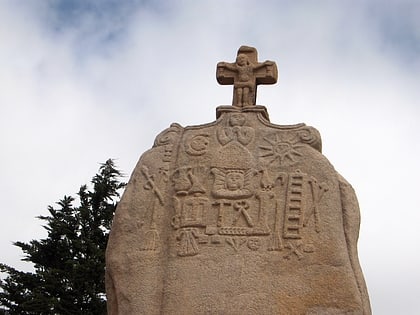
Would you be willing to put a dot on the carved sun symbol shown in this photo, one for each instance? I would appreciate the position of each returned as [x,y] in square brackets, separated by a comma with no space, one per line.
[280,150]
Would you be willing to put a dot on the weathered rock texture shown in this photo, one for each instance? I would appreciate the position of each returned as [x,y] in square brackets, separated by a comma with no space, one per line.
[239,216]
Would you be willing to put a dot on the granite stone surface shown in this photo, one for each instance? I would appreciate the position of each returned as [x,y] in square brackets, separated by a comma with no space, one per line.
[237,216]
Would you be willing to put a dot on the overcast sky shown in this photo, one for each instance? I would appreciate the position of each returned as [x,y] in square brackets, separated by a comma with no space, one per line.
[82,81]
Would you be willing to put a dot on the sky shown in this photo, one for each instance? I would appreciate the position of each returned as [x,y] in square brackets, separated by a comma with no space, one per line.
[82,81]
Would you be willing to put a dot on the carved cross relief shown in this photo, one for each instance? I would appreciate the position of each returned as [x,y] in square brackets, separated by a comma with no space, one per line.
[245,74]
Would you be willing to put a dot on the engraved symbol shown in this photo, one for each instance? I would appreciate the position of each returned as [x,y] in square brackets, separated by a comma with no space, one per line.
[242,208]
[193,211]
[196,187]
[235,242]
[254,243]
[164,171]
[167,153]
[215,239]
[221,212]
[150,184]
[197,145]
[280,150]
[232,183]
[309,248]
[151,240]
[176,219]
[294,204]
[267,183]
[236,132]
[185,182]
[181,180]
[294,249]
[264,198]
[276,242]
[318,191]
[203,239]
[299,249]
[188,244]
[190,212]
[168,135]
[151,237]
[234,230]
[310,136]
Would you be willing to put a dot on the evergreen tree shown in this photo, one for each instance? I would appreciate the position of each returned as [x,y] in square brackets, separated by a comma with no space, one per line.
[69,264]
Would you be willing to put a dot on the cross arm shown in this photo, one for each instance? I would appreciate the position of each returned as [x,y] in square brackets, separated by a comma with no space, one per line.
[266,72]
[225,73]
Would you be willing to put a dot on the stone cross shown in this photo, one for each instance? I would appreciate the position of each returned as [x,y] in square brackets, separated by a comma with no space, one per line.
[245,74]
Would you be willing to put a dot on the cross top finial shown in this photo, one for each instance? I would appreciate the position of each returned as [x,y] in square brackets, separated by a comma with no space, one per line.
[245,74]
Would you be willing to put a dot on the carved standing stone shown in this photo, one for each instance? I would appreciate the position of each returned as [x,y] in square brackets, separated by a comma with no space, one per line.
[239,216]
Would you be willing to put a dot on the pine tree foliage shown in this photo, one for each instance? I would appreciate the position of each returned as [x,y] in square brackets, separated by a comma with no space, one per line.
[69,264]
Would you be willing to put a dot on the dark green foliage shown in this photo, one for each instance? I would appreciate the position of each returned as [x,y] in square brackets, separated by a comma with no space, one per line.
[70,263]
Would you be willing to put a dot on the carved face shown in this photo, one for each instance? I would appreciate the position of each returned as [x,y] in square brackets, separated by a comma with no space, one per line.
[242,60]
[237,120]
[234,181]
[254,243]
